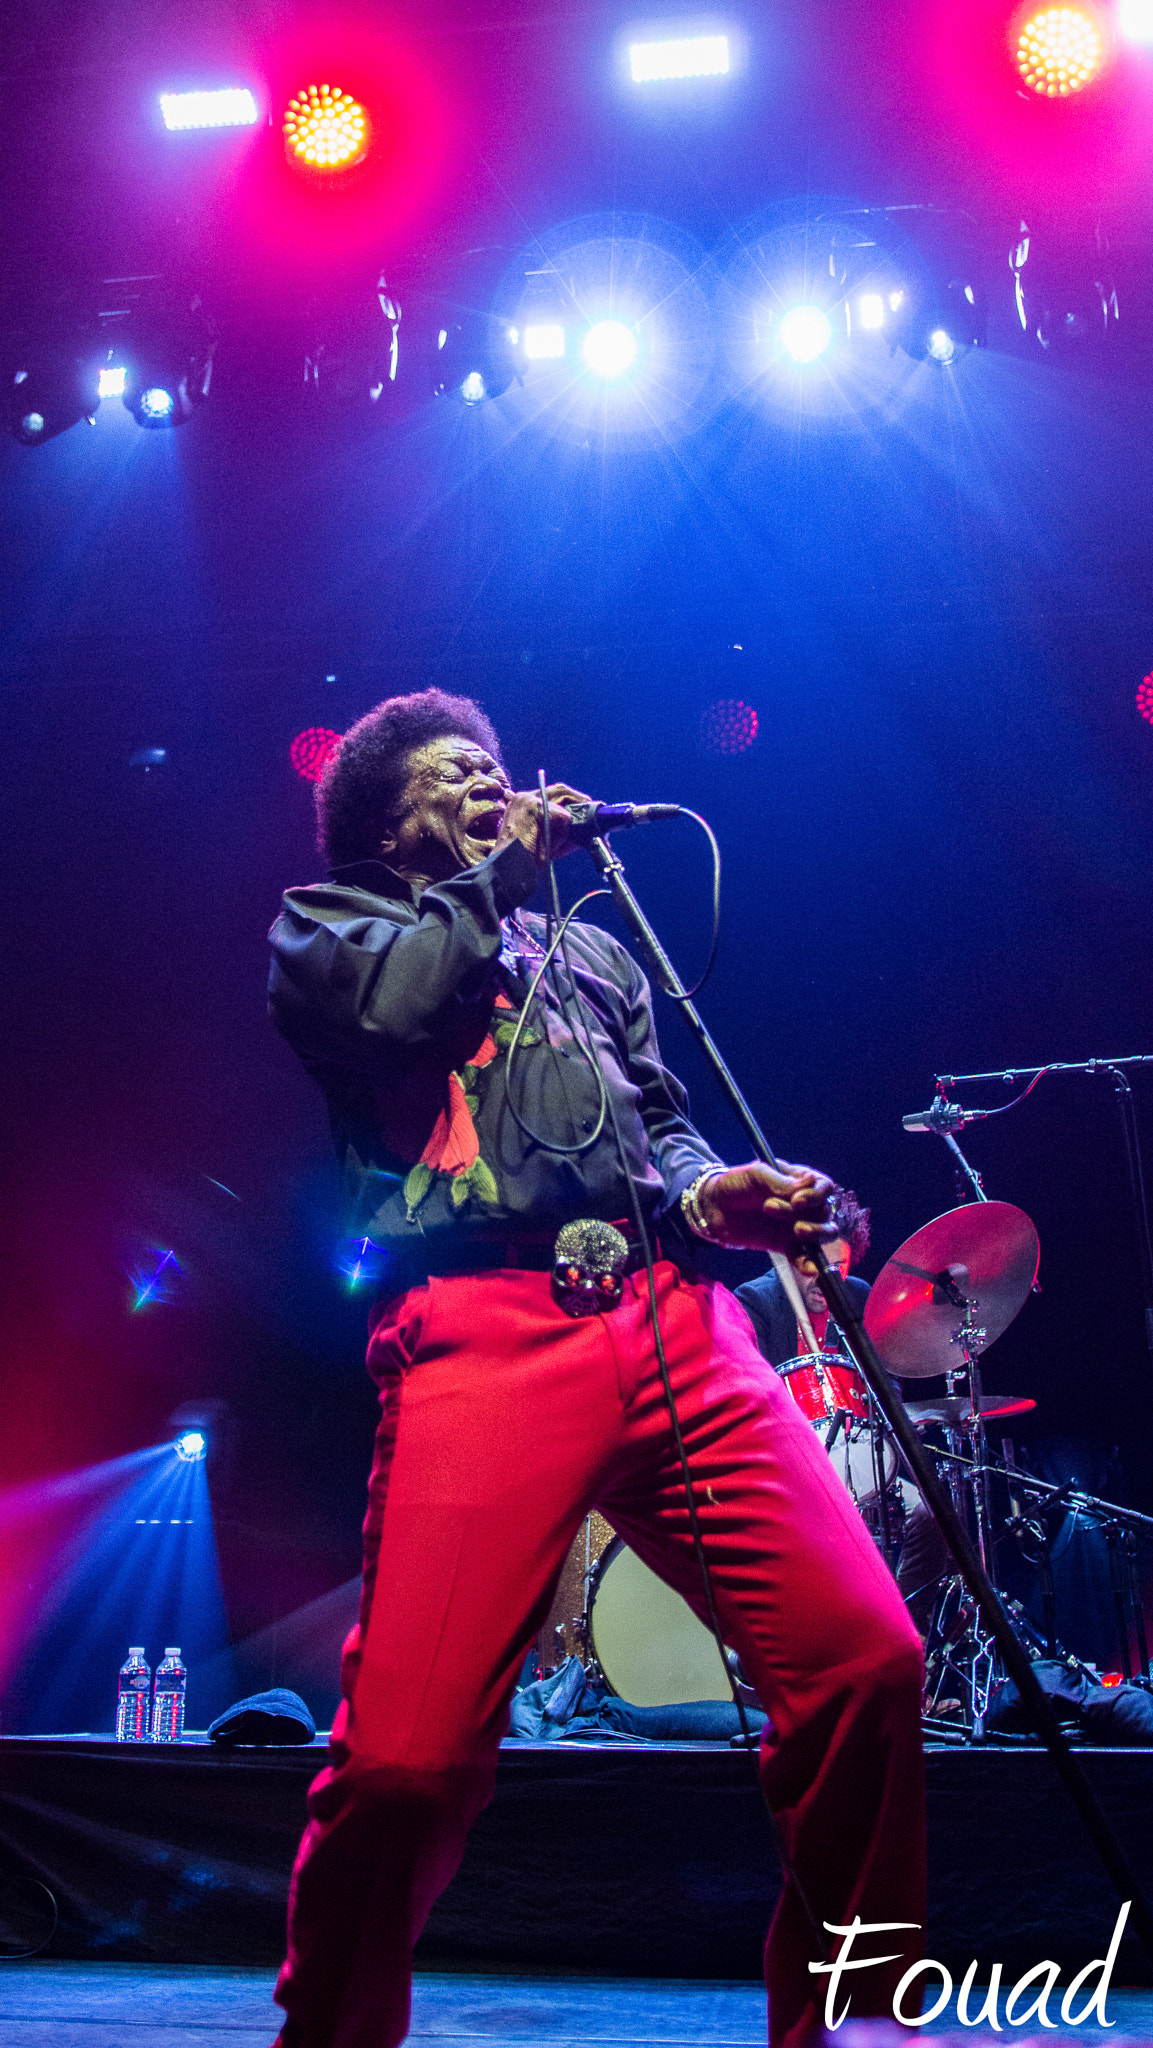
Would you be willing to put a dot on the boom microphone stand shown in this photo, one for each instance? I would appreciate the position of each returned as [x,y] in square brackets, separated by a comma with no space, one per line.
[945,1117]
[845,1312]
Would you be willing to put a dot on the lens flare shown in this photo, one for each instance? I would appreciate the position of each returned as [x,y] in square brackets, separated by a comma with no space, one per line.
[1059,51]
[805,333]
[325,129]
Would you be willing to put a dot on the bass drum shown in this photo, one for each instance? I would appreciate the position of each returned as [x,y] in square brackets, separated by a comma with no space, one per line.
[650,1646]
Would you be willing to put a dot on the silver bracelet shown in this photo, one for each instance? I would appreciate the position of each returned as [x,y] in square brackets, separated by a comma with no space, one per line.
[690,1204]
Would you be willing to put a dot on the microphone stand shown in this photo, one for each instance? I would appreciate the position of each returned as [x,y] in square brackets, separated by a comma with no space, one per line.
[844,1310]
[952,1118]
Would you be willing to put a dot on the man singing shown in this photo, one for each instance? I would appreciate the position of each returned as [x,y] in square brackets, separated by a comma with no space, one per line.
[464,1149]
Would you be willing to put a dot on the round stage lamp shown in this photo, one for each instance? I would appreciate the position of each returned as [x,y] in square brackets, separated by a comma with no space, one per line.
[312,750]
[325,130]
[1060,50]
[805,333]
[728,726]
[609,349]
[1145,698]
[192,1446]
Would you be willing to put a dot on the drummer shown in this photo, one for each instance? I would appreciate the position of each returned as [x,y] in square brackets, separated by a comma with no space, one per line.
[777,1321]
[779,1324]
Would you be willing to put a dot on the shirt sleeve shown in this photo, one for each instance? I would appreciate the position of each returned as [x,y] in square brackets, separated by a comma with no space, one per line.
[352,985]
[678,1150]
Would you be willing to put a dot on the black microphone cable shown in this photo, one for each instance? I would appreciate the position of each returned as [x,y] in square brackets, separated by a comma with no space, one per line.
[582,1030]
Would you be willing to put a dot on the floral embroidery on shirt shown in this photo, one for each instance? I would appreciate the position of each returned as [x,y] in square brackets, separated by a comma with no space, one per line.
[454,1147]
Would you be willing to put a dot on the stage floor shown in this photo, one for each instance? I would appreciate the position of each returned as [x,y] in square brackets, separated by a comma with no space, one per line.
[106,2005]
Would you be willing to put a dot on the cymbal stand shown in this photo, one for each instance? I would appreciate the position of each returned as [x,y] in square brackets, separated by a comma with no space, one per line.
[847,1312]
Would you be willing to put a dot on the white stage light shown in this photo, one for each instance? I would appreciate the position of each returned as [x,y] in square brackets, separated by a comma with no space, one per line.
[871,310]
[679,57]
[941,346]
[111,382]
[543,344]
[234,107]
[805,333]
[1135,21]
[192,1446]
[610,348]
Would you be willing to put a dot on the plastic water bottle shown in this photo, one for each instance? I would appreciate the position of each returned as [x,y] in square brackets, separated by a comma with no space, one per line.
[168,1698]
[134,1703]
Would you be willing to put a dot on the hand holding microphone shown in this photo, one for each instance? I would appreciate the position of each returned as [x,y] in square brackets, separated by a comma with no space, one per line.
[574,819]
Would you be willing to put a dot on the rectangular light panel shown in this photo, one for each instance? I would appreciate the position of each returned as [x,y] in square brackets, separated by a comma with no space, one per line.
[234,107]
[111,382]
[543,344]
[683,57]
[1135,20]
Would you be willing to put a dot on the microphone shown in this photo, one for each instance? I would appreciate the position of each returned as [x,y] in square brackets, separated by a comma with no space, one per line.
[941,1117]
[591,821]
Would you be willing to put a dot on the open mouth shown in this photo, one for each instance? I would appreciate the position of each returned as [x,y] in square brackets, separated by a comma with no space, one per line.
[485,824]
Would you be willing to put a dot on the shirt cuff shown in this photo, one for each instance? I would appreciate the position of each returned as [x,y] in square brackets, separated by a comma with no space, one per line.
[515,876]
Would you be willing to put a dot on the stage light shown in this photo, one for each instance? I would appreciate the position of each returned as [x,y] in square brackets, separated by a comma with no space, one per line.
[1135,21]
[1145,698]
[728,726]
[1065,292]
[233,107]
[50,392]
[312,750]
[192,1446]
[325,130]
[609,349]
[679,57]
[805,333]
[1060,50]
[111,383]
[165,380]
[476,358]
[940,345]
[871,310]
[544,344]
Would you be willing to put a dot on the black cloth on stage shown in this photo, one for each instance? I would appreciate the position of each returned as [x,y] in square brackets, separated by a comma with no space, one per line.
[771,1313]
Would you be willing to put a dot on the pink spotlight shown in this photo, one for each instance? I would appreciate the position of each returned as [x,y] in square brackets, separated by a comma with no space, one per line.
[728,726]
[1145,698]
[311,750]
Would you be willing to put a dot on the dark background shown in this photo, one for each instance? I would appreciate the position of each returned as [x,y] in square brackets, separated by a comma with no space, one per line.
[937,851]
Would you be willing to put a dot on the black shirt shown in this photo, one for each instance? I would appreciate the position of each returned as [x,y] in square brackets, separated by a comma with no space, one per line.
[403,1011]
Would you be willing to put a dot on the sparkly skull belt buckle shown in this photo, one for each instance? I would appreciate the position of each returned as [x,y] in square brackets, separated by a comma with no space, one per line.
[589,1261]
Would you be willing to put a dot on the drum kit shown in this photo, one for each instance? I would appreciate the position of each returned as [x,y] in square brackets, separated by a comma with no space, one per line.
[935,1308]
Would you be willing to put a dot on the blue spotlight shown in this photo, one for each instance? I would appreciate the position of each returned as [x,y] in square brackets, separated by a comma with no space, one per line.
[610,349]
[156,404]
[192,1446]
[805,333]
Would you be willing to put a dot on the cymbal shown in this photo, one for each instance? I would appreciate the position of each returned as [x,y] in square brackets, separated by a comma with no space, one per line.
[986,1251]
[957,1409]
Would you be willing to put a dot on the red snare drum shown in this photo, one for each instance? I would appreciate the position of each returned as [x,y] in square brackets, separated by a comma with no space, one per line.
[825,1385]
[822,1384]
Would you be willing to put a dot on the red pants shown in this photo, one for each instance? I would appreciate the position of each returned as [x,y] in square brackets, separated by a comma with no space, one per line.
[503,1422]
